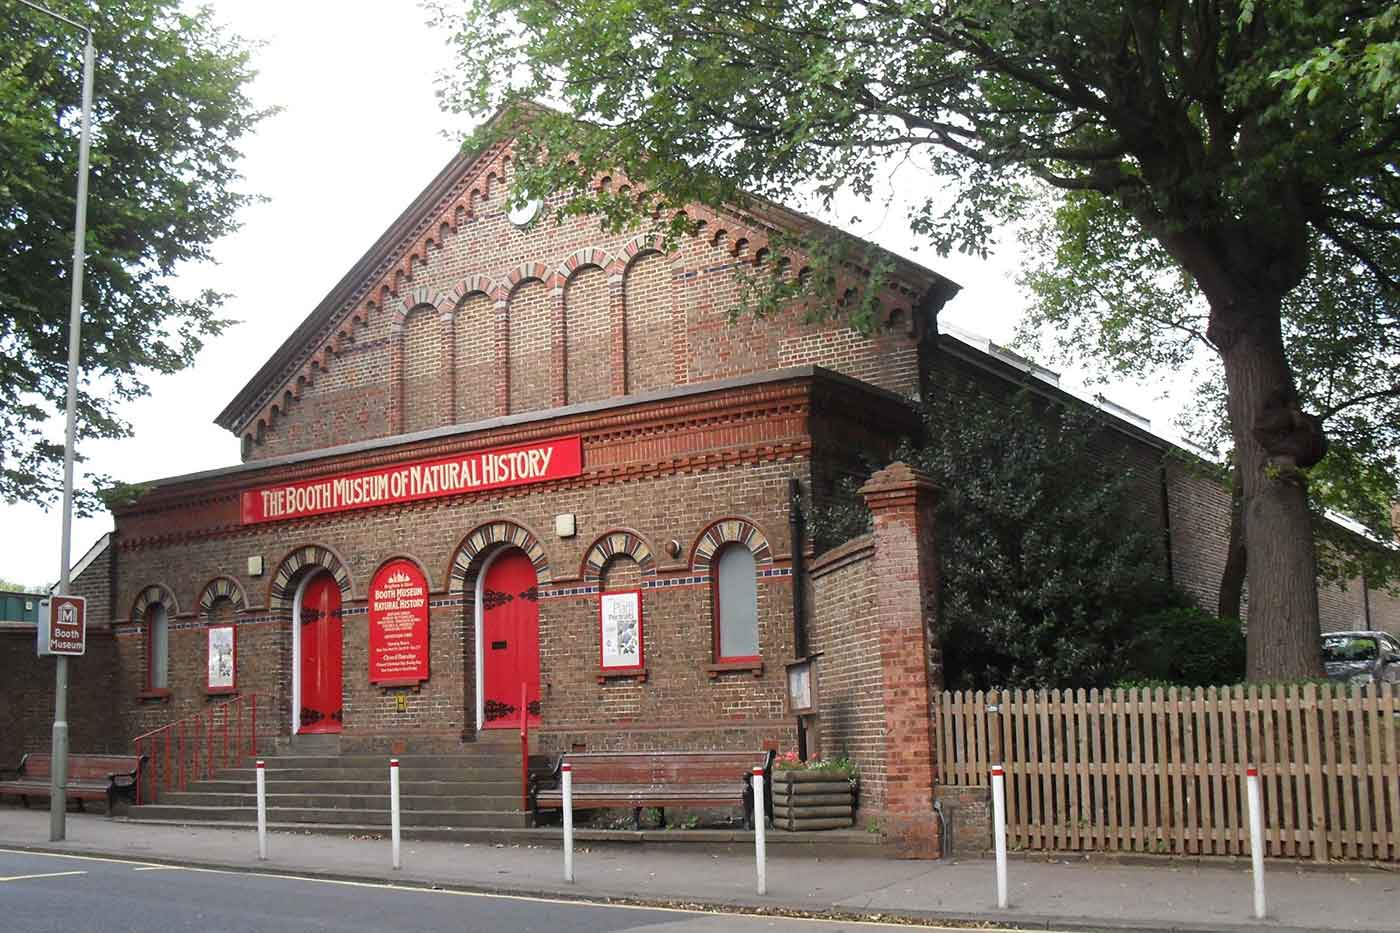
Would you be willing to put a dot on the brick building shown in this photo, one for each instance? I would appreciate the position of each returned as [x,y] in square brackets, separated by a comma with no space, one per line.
[510,462]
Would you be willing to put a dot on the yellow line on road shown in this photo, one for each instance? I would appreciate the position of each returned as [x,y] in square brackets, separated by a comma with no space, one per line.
[51,874]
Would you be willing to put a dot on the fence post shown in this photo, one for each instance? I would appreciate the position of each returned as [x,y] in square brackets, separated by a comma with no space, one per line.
[760,820]
[568,772]
[1256,838]
[999,830]
[394,807]
[262,810]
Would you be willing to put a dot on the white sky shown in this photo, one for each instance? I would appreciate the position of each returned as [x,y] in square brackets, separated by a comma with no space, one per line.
[359,136]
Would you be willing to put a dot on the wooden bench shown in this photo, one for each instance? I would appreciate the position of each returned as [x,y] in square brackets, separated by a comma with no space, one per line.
[90,777]
[658,779]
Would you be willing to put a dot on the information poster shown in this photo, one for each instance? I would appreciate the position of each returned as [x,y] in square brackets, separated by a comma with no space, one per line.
[398,624]
[222,659]
[620,621]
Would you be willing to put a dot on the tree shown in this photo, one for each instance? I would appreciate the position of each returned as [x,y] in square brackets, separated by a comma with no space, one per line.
[1164,115]
[1047,562]
[169,110]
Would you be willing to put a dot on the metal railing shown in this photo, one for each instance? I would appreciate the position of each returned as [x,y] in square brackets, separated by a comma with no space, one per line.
[197,746]
[524,748]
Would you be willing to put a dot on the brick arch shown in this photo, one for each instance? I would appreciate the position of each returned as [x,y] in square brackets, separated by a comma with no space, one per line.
[621,542]
[281,591]
[420,297]
[640,245]
[466,560]
[477,283]
[524,273]
[220,588]
[582,259]
[156,593]
[727,530]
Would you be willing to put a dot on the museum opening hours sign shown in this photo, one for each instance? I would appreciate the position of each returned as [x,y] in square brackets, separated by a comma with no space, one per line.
[398,625]
[497,468]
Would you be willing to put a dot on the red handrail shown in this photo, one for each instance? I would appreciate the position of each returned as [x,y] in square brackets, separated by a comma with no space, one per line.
[524,749]
[174,757]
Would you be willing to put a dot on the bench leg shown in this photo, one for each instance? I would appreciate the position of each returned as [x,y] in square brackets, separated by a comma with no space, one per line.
[636,817]
[662,822]
[748,804]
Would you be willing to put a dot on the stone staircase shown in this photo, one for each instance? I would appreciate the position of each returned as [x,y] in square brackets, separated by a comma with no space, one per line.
[313,787]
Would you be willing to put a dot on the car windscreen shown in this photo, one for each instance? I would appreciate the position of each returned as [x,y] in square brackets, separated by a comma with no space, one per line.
[1348,648]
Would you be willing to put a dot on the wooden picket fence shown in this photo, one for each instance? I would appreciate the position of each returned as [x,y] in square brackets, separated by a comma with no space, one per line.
[1162,771]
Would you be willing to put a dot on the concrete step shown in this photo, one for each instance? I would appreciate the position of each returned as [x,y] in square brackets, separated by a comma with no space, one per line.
[408,801]
[381,762]
[307,815]
[475,773]
[380,786]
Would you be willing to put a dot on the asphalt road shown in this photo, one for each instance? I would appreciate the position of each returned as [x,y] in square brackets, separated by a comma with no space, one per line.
[71,894]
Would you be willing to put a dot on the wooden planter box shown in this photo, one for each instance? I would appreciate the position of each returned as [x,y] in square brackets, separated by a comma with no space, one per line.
[812,800]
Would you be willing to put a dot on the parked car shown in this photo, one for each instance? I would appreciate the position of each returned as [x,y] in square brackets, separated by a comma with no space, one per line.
[1361,657]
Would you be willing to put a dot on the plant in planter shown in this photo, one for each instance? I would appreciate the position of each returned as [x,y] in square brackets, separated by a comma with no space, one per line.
[814,794]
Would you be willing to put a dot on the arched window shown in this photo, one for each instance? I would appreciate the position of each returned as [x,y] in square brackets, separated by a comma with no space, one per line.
[736,605]
[157,647]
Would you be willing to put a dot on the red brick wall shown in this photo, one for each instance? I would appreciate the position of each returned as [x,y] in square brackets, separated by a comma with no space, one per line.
[474,327]
[529,359]
[844,629]
[424,389]
[646,300]
[672,326]
[26,724]
[588,328]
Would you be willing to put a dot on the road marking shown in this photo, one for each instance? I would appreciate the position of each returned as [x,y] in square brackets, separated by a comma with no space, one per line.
[51,874]
[537,899]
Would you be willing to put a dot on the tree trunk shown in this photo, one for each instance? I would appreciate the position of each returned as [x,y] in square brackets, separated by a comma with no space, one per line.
[1231,596]
[1273,441]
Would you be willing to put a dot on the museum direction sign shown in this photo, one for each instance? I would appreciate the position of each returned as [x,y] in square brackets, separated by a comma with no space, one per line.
[409,482]
[63,625]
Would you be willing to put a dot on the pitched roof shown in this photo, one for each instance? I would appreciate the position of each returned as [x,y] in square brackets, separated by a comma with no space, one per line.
[303,342]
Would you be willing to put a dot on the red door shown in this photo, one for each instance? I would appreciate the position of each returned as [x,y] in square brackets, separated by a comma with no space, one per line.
[320,655]
[510,634]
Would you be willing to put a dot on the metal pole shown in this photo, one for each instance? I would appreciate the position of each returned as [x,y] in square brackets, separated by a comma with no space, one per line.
[999,830]
[1256,838]
[568,771]
[394,807]
[760,820]
[57,798]
[262,810]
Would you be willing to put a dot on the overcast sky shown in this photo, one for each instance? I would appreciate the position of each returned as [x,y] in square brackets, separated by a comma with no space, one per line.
[359,136]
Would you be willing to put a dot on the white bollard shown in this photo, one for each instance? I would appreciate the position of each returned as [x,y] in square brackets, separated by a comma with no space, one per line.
[568,822]
[262,810]
[760,819]
[1256,838]
[394,807]
[999,830]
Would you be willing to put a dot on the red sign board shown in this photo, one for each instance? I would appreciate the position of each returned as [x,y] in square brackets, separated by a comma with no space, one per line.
[398,624]
[486,469]
[63,630]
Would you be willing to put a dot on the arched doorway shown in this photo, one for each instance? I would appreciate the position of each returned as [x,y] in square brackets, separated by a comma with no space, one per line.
[509,623]
[319,656]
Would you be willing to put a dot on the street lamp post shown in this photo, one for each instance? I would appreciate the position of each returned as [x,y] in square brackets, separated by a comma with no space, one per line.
[57,798]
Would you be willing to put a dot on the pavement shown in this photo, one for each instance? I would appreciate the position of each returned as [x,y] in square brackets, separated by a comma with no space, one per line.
[1044,893]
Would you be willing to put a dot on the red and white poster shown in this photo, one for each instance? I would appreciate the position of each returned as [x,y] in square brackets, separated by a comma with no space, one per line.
[497,468]
[398,624]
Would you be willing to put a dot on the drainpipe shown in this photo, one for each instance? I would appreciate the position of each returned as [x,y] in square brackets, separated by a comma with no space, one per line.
[799,609]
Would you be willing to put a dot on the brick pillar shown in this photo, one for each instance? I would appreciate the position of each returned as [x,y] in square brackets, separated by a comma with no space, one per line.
[502,356]
[558,345]
[905,566]
[396,338]
[617,321]
[447,365]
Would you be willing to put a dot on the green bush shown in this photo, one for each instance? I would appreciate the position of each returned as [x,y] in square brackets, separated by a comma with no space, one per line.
[1184,647]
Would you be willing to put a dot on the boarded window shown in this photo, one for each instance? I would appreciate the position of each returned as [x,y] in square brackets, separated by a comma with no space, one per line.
[157,648]
[736,602]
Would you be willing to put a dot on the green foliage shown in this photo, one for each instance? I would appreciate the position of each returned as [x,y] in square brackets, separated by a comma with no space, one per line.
[170,110]
[10,586]
[1183,646]
[1177,161]
[1045,553]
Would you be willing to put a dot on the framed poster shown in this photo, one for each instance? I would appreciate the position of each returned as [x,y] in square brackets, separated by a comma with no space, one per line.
[802,687]
[223,659]
[620,632]
[398,625]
